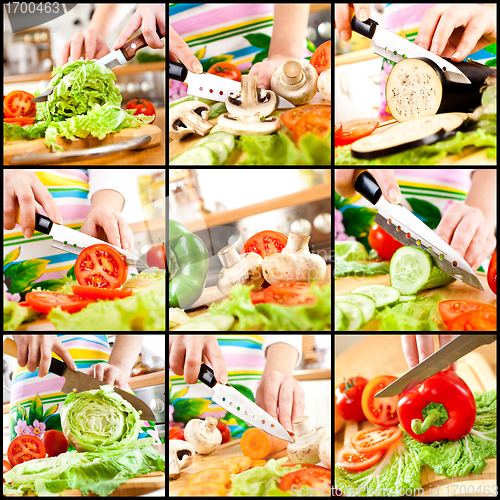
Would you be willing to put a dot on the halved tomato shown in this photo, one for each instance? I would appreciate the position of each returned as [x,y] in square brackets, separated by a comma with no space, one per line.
[289,294]
[265,243]
[375,439]
[474,321]
[101,266]
[380,411]
[451,309]
[350,459]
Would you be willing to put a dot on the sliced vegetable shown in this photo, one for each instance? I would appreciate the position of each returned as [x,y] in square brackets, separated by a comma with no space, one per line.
[380,411]
[257,444]
[25,448]
[383,295]
[221,476]
[474,321]
[351,460]
[375,439]
[44,302]
[353,315]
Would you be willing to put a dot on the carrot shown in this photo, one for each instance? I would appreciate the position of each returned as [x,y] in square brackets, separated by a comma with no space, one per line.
[258,463]
[208,489]
[242,462]
[257,444]
[230,465]
[211,475]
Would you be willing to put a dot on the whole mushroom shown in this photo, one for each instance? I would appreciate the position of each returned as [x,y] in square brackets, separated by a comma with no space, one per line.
[180,455]
[325,452]
[203,435]
[305,450]
[296,81]
[325,84]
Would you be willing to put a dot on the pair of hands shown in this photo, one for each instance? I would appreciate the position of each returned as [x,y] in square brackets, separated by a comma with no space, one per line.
[102,221]
[276,390]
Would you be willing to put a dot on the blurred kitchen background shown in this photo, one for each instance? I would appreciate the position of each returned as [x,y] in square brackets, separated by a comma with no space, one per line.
[30,55]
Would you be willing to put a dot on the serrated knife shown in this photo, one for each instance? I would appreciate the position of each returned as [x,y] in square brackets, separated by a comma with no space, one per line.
[80,382]
[443,357]
[394,47]
[212,87]
[409,230]
[240,406]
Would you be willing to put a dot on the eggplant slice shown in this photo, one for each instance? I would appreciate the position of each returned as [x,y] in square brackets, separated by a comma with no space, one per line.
[407,135]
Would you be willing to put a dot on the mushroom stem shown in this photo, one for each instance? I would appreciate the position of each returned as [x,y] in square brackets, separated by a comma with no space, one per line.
[302,426]
[292,72]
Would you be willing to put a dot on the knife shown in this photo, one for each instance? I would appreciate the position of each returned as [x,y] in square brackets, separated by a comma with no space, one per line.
[234,402]
[394,47]
[114,58]
[80,382]
[212,87]
[409,230]
[72,241]
[442,358]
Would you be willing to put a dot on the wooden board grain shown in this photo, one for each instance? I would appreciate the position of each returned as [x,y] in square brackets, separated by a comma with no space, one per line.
[478,375]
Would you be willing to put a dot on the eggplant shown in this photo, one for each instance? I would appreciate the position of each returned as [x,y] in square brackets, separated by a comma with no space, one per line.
[407,135]
[417,87]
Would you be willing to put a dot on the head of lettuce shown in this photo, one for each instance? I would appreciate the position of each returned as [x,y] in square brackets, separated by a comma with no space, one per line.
[85,101]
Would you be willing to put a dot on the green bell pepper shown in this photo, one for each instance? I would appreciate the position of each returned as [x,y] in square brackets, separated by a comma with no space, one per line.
[187,266]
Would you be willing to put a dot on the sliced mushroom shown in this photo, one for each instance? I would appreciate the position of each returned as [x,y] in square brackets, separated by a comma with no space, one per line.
[188,117]
[251,99]
[249,125]
[305,450]
[325,84]
[180,455]
[295,81]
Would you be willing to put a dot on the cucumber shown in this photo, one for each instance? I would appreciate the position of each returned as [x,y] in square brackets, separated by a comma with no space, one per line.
[353,315]
[226,139]
[407,298]
[383,295]
[219,149]
[365,303]
[340,320]
[412,270]
[195,156]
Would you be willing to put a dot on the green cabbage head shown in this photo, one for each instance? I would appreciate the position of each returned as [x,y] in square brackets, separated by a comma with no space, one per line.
[99,420]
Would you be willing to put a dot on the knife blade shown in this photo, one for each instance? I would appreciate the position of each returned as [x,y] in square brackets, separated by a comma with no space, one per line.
[409,230]
[80,382]
[394,47]
[234,402]
[211,87]
[443,357]
[72,241]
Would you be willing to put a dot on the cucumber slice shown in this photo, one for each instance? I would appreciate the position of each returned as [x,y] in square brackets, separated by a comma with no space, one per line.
[226,139]
[383,295]
[340,320]
[412,270]
[365,303]
[353,315]
[219,149]
[407,298]
[195,156]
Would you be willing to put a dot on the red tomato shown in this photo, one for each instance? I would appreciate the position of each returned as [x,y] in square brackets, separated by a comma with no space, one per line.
[17,103]
[94,293]
[225,431]
[348,399]
[292,116]
[314,478]
[375,439]
[492,273]
[474,321]
[382,242]
[55,443]
[351,133]
[322,57]
[44,301]
[225,70]
[257,296]
[451,309]
[156,256]
[101,266]
[380,411]
[265,243]
[350,459]
[176,433]
[317,122]
[289,294]
[142,107]
[25,448]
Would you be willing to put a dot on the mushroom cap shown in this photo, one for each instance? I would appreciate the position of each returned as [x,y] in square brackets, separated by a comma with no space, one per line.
[295,84]
[178,127]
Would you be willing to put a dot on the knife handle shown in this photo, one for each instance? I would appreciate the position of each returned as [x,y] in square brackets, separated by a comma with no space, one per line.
[366,28]
[177,71]
[367,187]
[42,223]
[207,376]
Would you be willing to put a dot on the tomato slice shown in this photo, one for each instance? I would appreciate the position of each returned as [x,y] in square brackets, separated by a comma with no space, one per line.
[474,321]
[265,243]
[101,266]
[315,478]
[350,459]
[17,103]
[94,293]
[25,448]
[44,301]
[375,439]
[380,411]
[451,309]
[289,294]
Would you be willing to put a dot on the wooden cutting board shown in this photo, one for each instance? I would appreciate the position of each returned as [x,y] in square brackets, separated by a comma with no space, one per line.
[37,146]
[228,450]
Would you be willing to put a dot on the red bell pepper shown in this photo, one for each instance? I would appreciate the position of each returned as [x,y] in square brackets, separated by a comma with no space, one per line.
[441,407]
